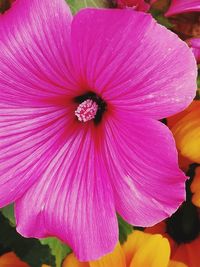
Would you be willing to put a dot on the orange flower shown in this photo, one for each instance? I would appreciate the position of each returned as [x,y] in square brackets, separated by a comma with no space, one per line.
[184,254]
[11,260]
[171,121]
[188,253]
[140,250]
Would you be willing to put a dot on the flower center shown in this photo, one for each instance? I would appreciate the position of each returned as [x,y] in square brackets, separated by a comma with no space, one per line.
[91,107]
[183,226]
[87,110]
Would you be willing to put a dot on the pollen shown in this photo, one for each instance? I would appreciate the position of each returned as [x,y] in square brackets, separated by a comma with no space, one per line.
[86,111]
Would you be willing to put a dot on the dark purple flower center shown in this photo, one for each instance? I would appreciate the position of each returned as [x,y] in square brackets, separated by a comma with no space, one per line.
[112,3]
[91,107]
[184,225]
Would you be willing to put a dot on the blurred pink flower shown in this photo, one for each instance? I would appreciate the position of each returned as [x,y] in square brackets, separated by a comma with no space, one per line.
[140,5]
[79,136]
[194,43]
[183,6]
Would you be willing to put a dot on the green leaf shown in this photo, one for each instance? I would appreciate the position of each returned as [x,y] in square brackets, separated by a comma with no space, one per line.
[198,86]
[164,21]
[55,247]
[159,16]
[76,5]
[198,81]
[29,250]
[125,229]
[58,249]
[8,212]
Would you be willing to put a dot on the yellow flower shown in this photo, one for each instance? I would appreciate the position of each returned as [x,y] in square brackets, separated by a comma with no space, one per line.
[140,250]
[186,132]
[184,254]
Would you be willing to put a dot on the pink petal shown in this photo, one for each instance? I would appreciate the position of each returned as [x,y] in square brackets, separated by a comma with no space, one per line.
[183,6]
[29,140]
[34,54]
[35,80]
[133,62]
[73,200]
[142,161]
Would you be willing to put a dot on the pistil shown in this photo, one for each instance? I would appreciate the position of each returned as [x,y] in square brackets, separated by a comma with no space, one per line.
[87,110]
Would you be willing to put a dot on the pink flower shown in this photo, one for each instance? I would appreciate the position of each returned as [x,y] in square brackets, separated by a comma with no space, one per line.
[183,6]
[79,136]
[140,5]
[194,43]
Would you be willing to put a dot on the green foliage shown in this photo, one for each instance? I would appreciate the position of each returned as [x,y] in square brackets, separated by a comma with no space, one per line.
[35,252]
[8,212]
[159,17]
[124,229]
[198,81]
[58,249]
[48,250]
[76,5]
[198,86]
[28,249]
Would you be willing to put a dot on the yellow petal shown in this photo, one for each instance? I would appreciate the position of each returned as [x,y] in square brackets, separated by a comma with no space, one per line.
[113,259]
[72,261]
[177,264]
[133,243]
[154,253]
[171,121]
[187,135]
[11,260]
